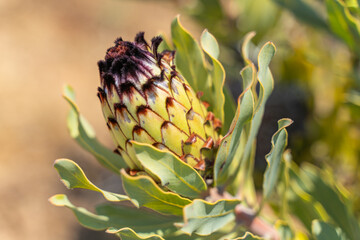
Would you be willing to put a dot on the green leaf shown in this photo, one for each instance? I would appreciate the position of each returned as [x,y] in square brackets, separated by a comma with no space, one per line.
[83,133]
[205,218]
[278,145]
[228,157]
[324,231]
[266,85]
[190,60]
[143,191]
[85,218]
[229,110]
[209,44]
[173,173]
[143,221]
[301,204]
[129,234]
[310,183]
[248,47]
[217,73]
[343,24]
[248,236]
[336,208]
[242,168]
[284,187]
[73,177]
[264,75]
[304,12]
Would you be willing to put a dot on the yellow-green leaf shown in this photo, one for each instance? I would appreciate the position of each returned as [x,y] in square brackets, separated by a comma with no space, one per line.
[143,221]
[205,218]
[143,191]
[217,73]
[228,158]
[278,143]
[74,177]
[85,218]
[173,173]
[209,44]
[189,59]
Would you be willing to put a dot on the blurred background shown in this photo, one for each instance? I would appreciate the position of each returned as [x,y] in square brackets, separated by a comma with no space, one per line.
[46,44]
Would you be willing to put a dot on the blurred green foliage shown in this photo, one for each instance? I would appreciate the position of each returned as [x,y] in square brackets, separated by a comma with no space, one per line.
[318,62]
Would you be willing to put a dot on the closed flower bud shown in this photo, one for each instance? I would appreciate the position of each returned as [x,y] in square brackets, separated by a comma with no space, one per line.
[145,99]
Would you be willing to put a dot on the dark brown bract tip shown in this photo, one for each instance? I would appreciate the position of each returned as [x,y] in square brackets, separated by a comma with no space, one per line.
[155,43]
[138,130]
[142,110]
[168,56]
[170,102]
[126,62]
[102,66]
[121,48]
[101,95]
[140,40]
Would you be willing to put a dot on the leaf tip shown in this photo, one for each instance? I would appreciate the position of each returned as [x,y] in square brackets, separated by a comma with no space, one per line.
[59,161]
[66,183]
[269,43]
[68,92]
[176,20]
[58,200]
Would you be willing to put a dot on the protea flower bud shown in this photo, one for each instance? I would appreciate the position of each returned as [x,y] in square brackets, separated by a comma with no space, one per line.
[145,99]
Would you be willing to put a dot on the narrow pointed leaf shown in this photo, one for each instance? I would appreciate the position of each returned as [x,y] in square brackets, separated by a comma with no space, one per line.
[264,75]
[209,44]
[205,218]
[217,73]
[228,159]
[266,85]
[173,173]
[249,110]
[229,110]
[189,58]
[143,191]
[278,142]
[83,133]
[247,47]
[74,177]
